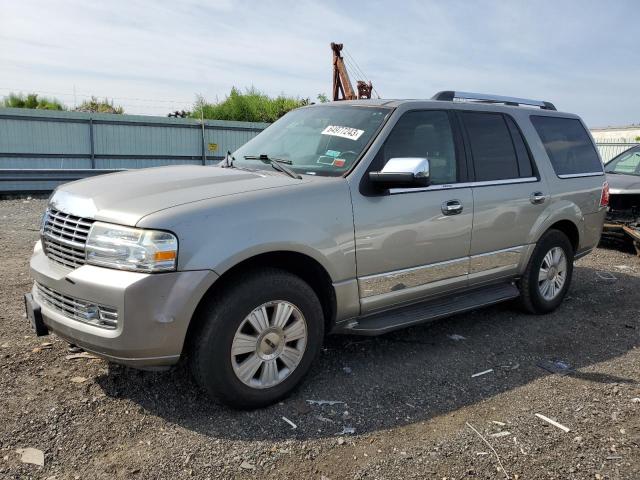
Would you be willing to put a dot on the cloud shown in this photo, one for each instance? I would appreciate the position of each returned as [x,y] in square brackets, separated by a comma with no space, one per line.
[153,57]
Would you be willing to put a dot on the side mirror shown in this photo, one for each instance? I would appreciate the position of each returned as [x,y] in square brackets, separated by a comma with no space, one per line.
[402,173]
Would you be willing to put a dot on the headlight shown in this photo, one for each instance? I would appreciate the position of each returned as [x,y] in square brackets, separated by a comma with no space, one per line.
[128,248]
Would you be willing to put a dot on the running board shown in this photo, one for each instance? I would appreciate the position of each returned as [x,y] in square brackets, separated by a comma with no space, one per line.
[387,321]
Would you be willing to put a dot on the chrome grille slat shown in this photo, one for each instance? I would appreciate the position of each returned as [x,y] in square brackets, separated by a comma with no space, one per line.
[62,261]
[66,231]
[65,302]
[64,237]
[64,241]
[67,221]
[63,255]
[56,230]
[78,309]
[66,248]
[70,221]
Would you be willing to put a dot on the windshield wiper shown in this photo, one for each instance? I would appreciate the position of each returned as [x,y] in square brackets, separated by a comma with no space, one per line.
[277,163]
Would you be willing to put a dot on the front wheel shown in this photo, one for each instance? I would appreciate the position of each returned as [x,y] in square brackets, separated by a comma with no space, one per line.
[257,339]
[548,274]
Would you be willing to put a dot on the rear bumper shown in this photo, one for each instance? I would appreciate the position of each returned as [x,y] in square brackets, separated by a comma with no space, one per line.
[154,310]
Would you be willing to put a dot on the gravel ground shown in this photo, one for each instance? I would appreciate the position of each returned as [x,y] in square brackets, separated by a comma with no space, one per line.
[409,396]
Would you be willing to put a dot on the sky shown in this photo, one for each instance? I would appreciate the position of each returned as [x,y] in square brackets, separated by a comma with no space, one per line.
[153,57]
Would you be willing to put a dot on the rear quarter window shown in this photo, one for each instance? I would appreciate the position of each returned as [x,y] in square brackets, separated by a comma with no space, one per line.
[568,145]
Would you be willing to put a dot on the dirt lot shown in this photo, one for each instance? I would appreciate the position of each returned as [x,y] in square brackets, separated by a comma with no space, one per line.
[409,396]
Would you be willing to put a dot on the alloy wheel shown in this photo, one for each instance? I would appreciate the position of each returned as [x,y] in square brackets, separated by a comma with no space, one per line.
[269,344]
[552,274]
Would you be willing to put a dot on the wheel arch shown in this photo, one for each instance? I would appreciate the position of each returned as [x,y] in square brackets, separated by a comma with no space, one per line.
[564,216]
[296,263]
[570,229]
[561,223]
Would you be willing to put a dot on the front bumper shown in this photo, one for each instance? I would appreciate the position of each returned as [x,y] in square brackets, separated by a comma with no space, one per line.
[154,310]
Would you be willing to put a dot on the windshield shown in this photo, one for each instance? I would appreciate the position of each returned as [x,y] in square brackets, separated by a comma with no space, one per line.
[319,140]
[627,163]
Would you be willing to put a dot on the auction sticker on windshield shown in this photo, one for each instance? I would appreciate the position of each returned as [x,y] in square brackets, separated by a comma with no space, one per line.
[344,132]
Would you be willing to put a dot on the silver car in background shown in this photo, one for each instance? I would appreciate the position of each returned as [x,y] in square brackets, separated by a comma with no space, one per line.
[623,215]
[353,217]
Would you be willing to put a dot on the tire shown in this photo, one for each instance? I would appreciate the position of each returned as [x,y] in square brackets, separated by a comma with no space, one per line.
[248,314]
[534,296]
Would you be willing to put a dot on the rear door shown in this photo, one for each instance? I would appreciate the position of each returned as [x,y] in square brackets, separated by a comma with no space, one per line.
[508,194]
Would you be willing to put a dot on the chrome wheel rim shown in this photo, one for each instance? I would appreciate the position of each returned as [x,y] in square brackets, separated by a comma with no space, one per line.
[269,344]
[553,273]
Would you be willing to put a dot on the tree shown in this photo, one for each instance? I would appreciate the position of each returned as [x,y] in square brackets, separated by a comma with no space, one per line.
[93,105]
[322,98]
[250,106]
[31,100]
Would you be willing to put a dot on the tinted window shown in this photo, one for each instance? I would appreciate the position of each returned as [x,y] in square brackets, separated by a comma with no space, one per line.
[568,145]
[425,134]
[524,159]
[493,151]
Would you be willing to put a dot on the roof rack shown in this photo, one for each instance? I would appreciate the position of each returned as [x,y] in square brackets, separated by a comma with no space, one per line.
[449,95]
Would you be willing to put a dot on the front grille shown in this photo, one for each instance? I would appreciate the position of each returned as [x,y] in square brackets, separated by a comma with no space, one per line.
[86,312]
[64,236]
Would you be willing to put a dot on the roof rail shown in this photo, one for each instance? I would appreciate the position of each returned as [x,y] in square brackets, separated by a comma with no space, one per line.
[449,95]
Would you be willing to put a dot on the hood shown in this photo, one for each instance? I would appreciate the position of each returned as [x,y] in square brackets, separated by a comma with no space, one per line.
[126,197]
[623,184]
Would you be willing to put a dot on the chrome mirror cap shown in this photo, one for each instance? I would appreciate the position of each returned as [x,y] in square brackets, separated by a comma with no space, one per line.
[419,167]
[407,172]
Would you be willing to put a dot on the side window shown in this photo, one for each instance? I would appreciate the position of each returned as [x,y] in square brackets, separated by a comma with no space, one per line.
[568,145]
[524,159]
[492,148]
[424,134]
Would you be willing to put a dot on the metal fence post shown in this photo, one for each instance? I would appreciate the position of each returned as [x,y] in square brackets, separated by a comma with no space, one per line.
[93,154]
[204,151]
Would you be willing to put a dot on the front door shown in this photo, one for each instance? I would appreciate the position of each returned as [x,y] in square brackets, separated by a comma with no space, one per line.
[414,243]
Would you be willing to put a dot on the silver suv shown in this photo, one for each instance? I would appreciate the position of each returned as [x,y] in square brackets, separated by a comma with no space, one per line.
[353,217]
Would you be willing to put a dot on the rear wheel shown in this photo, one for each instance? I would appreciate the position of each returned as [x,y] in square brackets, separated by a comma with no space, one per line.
[548,274]
[257,339]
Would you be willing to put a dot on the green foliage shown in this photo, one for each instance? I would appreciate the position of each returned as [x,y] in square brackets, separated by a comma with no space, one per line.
[93,105]
[322,98]
[638,138]
[31,100]
[250,106]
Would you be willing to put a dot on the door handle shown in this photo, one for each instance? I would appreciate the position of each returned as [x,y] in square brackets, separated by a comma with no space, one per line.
[537,198]
[452,207]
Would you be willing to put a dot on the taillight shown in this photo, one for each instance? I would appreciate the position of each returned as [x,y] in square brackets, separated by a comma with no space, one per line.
[604,198]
